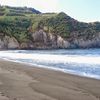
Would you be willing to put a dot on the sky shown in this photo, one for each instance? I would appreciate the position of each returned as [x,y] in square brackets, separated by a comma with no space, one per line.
[82,10]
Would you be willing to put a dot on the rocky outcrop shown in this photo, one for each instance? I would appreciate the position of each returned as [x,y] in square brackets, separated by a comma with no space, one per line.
[80,43]
[40,36]
[43,40]
[49,40]
[13,43]
[83,42]
[2,45]
[61,43]
[24,45]
[7,42]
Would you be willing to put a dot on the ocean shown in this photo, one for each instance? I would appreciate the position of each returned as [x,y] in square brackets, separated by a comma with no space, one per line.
[82,62]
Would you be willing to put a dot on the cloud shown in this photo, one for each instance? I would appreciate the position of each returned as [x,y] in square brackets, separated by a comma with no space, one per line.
[42,5]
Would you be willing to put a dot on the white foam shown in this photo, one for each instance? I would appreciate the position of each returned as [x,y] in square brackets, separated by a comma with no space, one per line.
[58,69]
[52,58]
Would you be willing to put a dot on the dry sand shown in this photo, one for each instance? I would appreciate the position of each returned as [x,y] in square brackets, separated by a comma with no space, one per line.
[23,82]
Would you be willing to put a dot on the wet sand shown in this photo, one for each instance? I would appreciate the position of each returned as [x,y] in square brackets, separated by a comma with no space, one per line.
[24,82]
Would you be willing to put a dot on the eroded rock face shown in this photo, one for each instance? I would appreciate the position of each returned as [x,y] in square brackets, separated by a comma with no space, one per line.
[2,45]
[9,43]
[43,40]
[61,43]
[49,40]
[13,43]
[66,44]
[40,36]
[24,45]
[53,40]
[81,43]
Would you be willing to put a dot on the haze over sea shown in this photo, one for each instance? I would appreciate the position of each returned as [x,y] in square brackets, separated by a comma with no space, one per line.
[83,62]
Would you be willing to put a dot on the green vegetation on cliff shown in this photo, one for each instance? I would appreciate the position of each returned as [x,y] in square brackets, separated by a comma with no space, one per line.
[21,22]
[16,27]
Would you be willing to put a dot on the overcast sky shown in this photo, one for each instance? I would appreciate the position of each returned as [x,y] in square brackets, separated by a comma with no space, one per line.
[82,10]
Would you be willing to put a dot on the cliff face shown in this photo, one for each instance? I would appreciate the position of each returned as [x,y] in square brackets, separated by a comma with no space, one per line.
[27,28]
[40,40]
[86,43]
[43,40]
[7,42]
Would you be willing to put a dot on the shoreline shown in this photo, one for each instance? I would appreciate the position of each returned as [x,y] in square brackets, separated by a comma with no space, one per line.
[20,82]
[52,69]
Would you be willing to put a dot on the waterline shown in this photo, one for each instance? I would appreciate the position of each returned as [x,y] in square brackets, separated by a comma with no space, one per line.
[84,64]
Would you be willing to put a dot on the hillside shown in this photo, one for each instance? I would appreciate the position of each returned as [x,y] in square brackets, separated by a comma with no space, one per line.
[18,11]
[27,28]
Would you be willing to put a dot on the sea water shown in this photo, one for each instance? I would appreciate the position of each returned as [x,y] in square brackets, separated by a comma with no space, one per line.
[83,62]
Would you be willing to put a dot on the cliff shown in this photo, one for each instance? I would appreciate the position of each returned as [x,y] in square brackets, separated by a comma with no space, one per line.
[27,28]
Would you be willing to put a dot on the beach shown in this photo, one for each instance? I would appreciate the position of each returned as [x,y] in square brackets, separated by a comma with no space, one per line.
[25,82]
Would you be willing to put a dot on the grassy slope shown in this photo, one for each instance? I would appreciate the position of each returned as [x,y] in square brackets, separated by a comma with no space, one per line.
[21,22]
